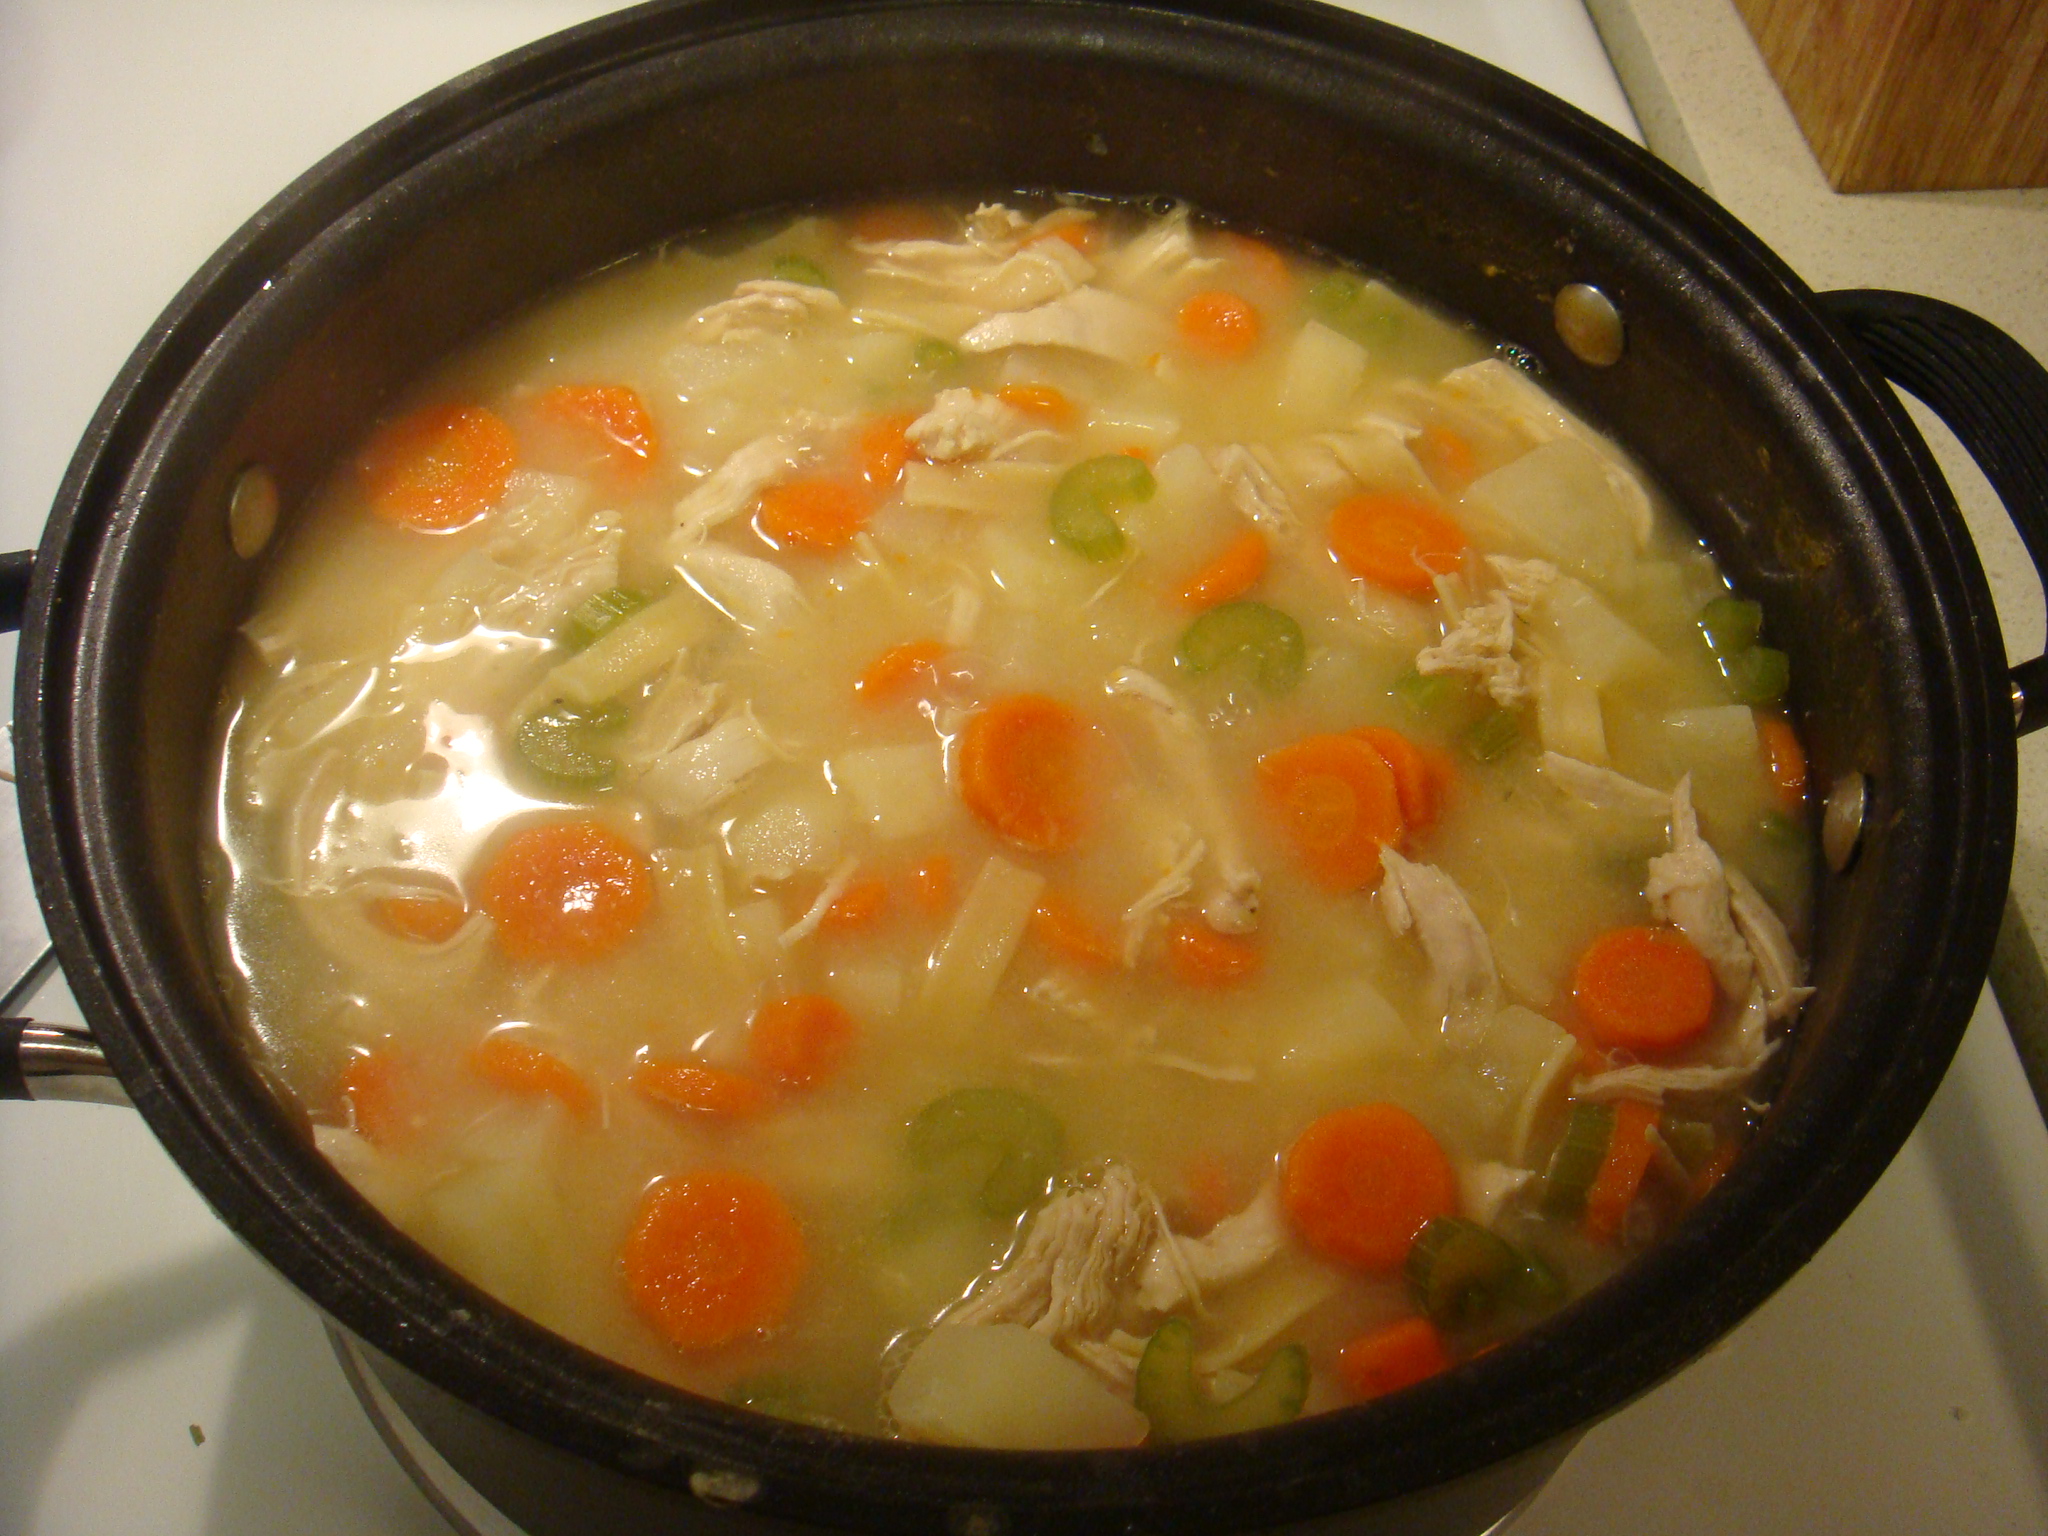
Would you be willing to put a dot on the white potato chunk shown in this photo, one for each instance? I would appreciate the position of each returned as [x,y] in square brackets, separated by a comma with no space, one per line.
[1558,502]
[1573,624]
[775,842]
[1322,372]
[976,950]
[897,792]
[1568,715]
[1003,1387]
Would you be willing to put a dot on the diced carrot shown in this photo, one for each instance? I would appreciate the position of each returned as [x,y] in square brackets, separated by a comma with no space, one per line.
[1232,573]
[884,450]
[439,468]
[1063,927]
[694,1088]
[514,1066]
[1139,451]
[1040,400]
[862,904]
[1258,259]
[376,1094]
[1419,780]
[799,1041]
[1337,803]
[902,672]
[896,221]
[932,884]
[565,891]
[1447,457]
[1359,1183]
[612,417]
[1084,235]
[1621,1172]
[1218,324]
[1198,956]
[1398,541]
[1784,760]
[1212,1191]
[1023,771]
[815,513]
[1643,989]
[427,919]
[713,1256]
[1390,1358]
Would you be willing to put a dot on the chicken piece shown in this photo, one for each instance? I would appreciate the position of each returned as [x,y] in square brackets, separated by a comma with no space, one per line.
[678,708]
[1484,1188]
[732,488]
[759,306]
[1232,904]
[993,275]
[755,594]
[1068,1277]
[1165,250]
[709,768]
[963,423]
[1252,487]
[1650,1084]
[1181,1268]
[1688,888]
[1603,788]
[1778,966]
[1141,915]
[1086,320]
[1481,641]
[1526,582]
[1464,982]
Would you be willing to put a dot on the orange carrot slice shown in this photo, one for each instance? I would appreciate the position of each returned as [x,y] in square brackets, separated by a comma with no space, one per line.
[1621,1171]
[1447,458]
[817,513]
[1218,324]
[694,1088]
[1359,1183]
[379,1099]
[799,1041]
[1084,235]
[1784,761]
[713,1256]
[611,418]
[1063,927]
[565,891]
[426,919]
[1390,1358]
[932,884]
[896,221]
[1022,771]
[862,904]
[1230,574]
[884,449]
[1337,804]
[1420,780]
[1040,400]
[1396,541]
[1259,261]
[1643,989]
[1212,1191]
[512,1065]
[902,672]
[439,468]
[1198,956]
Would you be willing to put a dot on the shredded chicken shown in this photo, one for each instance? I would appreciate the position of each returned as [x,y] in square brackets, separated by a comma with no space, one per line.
[1086,320]
[1742,1056]
[732,488]
[1481,641]
[993,272]
[708,768]
[1603,788]
[758,306]
[1140,916]
[963,423]
[678,708]
[1688,887]
[1484,1188]
[1115,1359]
[1067,1278]
[1252,487]
[1526,582]
[755,594]
[1181,1268]
[1232,905]
[1165,250]
[834,887]
[1464,982]
[1778,966]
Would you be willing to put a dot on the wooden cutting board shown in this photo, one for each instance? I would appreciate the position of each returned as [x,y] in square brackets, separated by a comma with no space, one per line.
[1913,95]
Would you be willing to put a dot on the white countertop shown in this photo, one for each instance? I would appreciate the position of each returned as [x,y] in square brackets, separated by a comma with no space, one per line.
[1898,1384]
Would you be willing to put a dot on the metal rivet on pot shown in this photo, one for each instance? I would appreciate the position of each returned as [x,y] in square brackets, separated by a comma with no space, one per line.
[1589,324]
[724,1487]
[252,511]
[1841,824]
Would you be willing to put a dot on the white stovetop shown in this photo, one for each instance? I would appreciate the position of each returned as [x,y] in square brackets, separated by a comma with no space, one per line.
[1898,1384]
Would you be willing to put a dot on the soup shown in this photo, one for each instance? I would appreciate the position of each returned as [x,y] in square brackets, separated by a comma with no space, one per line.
[1017,828]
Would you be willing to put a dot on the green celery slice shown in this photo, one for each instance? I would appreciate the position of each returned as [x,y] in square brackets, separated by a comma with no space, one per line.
[1731,625]
[800,269]
[563,745]
[595,616]
[1492,734]
[1085,501]
[993,1146]
[1459,1272]
[1179,1409]
[1576,1162]
[1266,639]
[1758,675]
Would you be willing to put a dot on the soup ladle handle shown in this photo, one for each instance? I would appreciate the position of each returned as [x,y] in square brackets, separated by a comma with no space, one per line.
[1993,394]
[52,1061]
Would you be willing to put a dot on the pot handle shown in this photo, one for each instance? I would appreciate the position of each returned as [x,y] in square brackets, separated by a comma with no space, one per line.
[15,571]
[1994,397]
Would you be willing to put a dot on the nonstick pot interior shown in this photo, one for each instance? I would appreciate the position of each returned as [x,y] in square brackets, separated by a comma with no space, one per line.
[1449,177]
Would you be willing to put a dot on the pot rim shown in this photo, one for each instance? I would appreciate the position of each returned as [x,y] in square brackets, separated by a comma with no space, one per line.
[1576,1366]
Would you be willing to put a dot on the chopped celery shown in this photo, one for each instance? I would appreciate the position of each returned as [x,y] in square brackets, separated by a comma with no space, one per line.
[1355,308]
[1731,624]
[931,355]
[1690,1141]
[1087,497]
[1576,1162]
[1179,1409]
[590,619]
[1333,295]
[1758,675]
[1535,1284]
[1459,1272]
[993,1146]
[1261,638]
[564,744]
[1780,830]
[800,269]
[1492,734]
[1425,695]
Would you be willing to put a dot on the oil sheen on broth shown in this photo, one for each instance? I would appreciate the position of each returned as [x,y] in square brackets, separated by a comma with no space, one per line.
[1016,828]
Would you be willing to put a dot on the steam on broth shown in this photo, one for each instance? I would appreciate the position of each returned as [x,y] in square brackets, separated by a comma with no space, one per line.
[1018,829]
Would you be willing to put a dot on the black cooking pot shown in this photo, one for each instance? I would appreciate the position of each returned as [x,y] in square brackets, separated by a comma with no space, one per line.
[1751,400]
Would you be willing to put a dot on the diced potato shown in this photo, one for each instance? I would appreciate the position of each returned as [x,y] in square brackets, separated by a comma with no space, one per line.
[1003,1387]
[1322,372]
[798,833]
[976,950]
[898,791]
[1343,1025]
[1032,571]
[1572,623]
[1187,510]
[868,989]
[1716,736]
[1568,713]
[1557,501]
